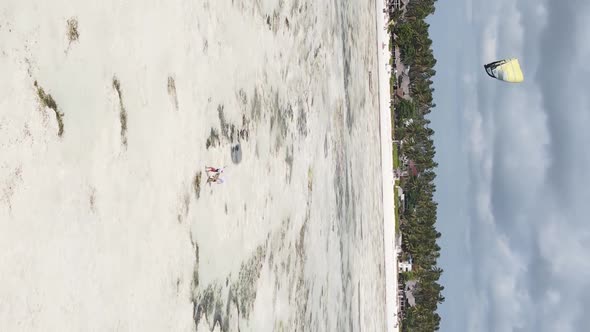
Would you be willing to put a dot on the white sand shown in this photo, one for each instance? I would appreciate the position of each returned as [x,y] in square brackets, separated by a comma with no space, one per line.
[384,55]
[99,235]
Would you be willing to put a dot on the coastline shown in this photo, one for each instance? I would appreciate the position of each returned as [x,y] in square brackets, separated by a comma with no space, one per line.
[383,55]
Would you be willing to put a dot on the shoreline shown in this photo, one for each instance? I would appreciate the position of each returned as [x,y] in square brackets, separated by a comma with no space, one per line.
[384,55]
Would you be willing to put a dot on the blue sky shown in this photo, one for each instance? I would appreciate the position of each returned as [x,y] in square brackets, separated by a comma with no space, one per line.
[512,182]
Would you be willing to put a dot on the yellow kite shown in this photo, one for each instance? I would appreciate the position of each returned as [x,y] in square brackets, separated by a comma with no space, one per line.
[507,70]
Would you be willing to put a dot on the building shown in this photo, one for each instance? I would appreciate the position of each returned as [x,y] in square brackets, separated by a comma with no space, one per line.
[413,169]
[405,266]
[398,243]
[406,296]
[400,93]
[409,292]
[402,199]
[408,122]
[410,170]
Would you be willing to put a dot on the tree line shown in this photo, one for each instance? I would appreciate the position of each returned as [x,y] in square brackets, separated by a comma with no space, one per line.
[417,222]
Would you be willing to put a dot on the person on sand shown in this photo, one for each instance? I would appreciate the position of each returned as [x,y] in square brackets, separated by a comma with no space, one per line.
[214,178]
[210,169]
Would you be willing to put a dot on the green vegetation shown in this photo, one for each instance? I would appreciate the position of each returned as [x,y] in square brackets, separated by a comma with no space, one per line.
[407,276]
[397,206]
[395,157]
[417,223]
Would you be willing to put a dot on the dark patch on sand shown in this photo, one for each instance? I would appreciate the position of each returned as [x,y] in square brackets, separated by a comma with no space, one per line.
[72,32]
[171,87]
[29,67]
[195,279]
[274,21]
[347,45]
[208,303]
[289,162]
[225,127]
[229,132]
[243,97]
[92,200]
[241,294]
[122,111]
[317,51]
[213,139]
[197,184]
[184,207]
[244,287]
[280,118]
[256,108]
[47,101]
[302,121]
[244,133]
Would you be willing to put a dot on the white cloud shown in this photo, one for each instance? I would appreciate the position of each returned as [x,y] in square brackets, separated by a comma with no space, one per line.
[509,138]
[526,146]
[524,125]
[562,320]
[510,30]
[541,11]
[476,137]
[562,247]
[490,41]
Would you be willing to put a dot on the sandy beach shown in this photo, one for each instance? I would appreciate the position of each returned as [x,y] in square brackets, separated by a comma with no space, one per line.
[109,114]
[384,55]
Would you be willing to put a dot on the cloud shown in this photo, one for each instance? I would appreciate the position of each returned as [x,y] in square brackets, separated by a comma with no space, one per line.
[528,163]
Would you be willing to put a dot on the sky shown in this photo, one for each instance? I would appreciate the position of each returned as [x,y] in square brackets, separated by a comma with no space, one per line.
[512,186]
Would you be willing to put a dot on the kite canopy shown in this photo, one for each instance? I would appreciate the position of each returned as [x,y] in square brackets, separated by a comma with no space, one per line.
[507,70]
